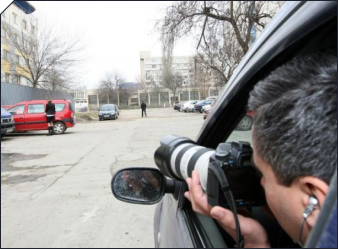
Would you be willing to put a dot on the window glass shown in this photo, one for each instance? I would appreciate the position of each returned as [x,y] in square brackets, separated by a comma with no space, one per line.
[17,110]
[59,107]
[37,108]
[242,132]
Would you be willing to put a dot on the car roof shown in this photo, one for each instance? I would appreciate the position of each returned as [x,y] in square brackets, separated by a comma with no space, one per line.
[41,101]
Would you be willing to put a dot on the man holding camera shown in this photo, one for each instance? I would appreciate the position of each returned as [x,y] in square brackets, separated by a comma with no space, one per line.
[294,147]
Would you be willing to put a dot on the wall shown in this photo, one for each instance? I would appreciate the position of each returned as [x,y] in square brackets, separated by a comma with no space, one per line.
[12,94]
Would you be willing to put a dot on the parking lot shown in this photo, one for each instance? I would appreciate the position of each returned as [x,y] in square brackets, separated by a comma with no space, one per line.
[55,191]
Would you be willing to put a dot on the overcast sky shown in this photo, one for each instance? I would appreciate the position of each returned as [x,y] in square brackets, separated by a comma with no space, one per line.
[114,33]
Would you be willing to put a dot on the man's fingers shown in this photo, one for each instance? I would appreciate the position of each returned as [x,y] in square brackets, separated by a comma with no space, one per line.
[187,195]
[196,185]
[225,218]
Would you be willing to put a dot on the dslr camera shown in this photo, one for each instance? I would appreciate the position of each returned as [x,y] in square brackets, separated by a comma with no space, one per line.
[178,156]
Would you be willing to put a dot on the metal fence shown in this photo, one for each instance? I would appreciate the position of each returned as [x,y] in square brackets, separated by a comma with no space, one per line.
[12,94]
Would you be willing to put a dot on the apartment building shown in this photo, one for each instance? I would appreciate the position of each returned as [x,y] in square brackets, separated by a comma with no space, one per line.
[16,21]
[152,68]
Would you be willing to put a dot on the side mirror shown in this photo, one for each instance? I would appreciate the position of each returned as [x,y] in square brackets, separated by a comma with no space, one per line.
[140,185]
[13,112]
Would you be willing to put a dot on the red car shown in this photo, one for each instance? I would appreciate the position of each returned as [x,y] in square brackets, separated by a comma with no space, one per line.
[31,116]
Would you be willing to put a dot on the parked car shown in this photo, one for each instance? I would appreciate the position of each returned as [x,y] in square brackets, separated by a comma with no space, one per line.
[199,105]
[212,98]
[246,122]
[187,104]
[208,110]
[207,107]
[31,116]
[178,105]
[299,27]
[109,111]
[7,122]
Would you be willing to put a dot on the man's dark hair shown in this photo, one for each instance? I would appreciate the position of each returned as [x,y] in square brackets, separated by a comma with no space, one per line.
[295,123]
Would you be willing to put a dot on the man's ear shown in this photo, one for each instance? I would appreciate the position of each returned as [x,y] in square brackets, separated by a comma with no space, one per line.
[316,187]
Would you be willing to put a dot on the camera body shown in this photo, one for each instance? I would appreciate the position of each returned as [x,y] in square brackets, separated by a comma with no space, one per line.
[244,180]
[177,157]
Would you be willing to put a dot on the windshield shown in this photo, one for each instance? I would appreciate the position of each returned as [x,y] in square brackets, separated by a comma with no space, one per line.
[107,108]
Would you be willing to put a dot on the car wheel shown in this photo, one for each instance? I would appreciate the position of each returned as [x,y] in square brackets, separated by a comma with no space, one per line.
[59,128]
[245,124]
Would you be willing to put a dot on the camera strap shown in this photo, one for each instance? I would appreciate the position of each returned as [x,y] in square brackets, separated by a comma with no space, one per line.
[223,181]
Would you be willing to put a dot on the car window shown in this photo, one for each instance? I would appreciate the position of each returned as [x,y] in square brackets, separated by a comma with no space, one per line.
[107,108]
[242,132]
[36,108]
[59,107]
[17,110]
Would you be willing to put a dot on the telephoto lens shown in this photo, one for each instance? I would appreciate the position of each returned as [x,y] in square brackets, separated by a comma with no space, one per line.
[178,156]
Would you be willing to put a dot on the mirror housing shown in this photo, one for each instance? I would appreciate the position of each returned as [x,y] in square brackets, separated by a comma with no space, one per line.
[141,185]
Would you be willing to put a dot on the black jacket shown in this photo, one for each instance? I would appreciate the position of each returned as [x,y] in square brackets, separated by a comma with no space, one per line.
[143,106]
[50,108]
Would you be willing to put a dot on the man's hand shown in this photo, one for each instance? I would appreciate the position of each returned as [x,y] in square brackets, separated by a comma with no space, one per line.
[196,196]
[252,231]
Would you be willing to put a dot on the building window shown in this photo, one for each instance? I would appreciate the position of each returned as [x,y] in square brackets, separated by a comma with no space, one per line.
[7,75]
[3,32]
[5,55]
[18,79]
[25,43]
[15,18]
[17,59]
[17,40]
[80,95]
[24,24]
[153,66]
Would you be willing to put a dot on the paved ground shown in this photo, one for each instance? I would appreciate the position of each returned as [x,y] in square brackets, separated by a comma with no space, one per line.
[55,191]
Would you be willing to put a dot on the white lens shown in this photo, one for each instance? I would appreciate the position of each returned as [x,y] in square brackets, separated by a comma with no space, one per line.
[202,168]
[174,156]
[186,158]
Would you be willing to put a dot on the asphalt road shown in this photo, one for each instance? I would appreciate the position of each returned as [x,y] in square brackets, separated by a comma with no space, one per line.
[55,191]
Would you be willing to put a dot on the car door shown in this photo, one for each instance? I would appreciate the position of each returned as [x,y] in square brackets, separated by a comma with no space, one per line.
[291,32]
[19,117]
[35,117]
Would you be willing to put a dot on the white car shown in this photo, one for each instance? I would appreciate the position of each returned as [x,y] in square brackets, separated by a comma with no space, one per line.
[212,98]
[188,104]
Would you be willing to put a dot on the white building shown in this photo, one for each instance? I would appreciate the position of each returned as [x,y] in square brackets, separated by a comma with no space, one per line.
[152,68]
[16,19]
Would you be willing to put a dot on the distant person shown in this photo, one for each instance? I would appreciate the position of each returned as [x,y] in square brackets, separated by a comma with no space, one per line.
[144,108]
[50,114]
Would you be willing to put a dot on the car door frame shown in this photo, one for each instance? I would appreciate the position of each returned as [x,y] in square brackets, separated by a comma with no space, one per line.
[36,121]
[272,50]
[19,119]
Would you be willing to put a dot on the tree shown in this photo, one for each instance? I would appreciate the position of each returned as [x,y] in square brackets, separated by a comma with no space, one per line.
[145,87]
[223,30]
[45,59]
[173,81]
[109,85]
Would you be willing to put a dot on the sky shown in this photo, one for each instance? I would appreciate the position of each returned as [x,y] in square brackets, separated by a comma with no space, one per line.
[113,34]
